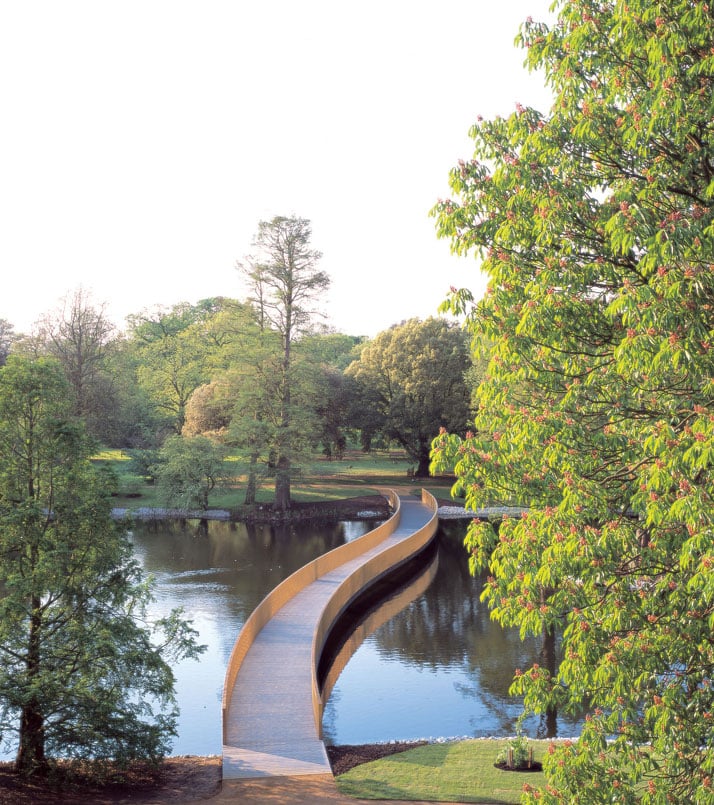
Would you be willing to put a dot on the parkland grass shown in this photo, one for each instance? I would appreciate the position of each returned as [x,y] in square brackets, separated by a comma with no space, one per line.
[320,480]
[462,771]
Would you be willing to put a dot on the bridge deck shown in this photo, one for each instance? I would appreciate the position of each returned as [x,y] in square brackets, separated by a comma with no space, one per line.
[270,726]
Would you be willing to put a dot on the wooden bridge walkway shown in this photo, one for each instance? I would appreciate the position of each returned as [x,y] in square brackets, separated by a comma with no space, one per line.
[272,706]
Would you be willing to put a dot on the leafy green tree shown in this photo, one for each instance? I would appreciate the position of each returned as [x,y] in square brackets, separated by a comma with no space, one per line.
[332,407]
[330,354]
[253,389]
[594,224]
[411,381]
[172,356]
[284,283]
[7,337]
[188,470]
[208,410]
[131,418]
[82,675]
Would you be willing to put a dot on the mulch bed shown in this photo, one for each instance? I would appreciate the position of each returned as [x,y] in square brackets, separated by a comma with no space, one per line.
[535,766]
[344,758]
[176,780]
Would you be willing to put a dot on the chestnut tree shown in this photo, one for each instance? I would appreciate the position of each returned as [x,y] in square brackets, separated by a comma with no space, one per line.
[593,222]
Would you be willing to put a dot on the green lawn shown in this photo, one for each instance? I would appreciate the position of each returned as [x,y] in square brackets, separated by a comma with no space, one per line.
[462,771]
[322,480]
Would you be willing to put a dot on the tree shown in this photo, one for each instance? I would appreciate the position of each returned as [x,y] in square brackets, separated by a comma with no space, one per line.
[284,283]
[411,381]
[208,410]
[7,336]
[594,224]
[188,470]
[172,357]
[81,675]
[133,420]
[330,354]
[79,335]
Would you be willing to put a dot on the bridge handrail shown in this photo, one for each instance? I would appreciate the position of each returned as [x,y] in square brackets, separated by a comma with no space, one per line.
[297,581]
[353,585]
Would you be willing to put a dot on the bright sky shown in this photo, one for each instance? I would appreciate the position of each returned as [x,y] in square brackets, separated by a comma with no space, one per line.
[143,140]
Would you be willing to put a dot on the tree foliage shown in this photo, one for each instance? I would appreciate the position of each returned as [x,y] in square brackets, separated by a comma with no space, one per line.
[411,381]
[189,468]
[284,284]
[594,224]
[7,336]
[207,410]
[81,672]
[172,357]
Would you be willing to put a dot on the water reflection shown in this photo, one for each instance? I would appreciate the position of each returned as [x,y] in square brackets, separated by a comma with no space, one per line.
[360,621]
[439,668]
[219,574]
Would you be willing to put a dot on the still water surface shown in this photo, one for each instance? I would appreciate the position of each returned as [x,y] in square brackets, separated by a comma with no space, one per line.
[218,575]
[439,668]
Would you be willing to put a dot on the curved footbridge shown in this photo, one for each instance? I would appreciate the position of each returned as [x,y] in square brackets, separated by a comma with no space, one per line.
[272,699]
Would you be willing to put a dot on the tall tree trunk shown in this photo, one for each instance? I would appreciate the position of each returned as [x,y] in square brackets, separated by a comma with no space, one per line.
[30,756]
[251,487]
[550,662]
[282,484]
[282,475]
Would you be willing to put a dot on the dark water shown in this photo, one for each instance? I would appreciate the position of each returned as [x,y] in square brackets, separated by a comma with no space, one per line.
[219,575]
[438,668]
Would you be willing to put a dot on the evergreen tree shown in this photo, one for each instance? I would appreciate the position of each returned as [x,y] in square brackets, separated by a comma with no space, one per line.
[81,673]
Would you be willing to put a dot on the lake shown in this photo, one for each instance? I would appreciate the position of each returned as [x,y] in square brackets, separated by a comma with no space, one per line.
[435,665]
[439,668]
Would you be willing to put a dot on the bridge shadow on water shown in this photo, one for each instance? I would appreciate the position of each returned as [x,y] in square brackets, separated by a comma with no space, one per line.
[377,604]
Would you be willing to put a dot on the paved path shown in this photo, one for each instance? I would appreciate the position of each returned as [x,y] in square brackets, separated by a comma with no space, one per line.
[269,726]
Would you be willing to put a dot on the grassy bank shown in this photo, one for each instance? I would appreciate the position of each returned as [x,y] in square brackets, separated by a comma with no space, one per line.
[462,771]
[354,475]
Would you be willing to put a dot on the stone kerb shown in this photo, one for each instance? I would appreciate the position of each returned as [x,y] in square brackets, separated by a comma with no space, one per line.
[290,587]
[349,589]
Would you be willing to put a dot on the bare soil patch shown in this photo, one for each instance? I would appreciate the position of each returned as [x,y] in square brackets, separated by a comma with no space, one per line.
[177,779]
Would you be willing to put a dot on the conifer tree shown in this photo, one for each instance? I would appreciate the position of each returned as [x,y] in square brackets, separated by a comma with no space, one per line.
[82,674]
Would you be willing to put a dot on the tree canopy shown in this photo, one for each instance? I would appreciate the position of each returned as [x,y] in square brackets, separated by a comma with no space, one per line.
[188,469]
[284,283]
[410,382]
[594,226]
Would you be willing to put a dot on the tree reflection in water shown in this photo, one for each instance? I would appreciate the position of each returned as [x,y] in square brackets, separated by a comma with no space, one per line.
[439,668]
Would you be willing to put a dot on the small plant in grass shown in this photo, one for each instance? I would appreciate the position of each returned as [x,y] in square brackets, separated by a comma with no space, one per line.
[517,753]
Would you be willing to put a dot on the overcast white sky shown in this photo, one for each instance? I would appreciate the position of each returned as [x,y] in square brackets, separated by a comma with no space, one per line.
[143,140]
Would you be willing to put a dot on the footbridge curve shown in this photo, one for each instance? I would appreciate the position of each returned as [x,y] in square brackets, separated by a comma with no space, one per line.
[272,699]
